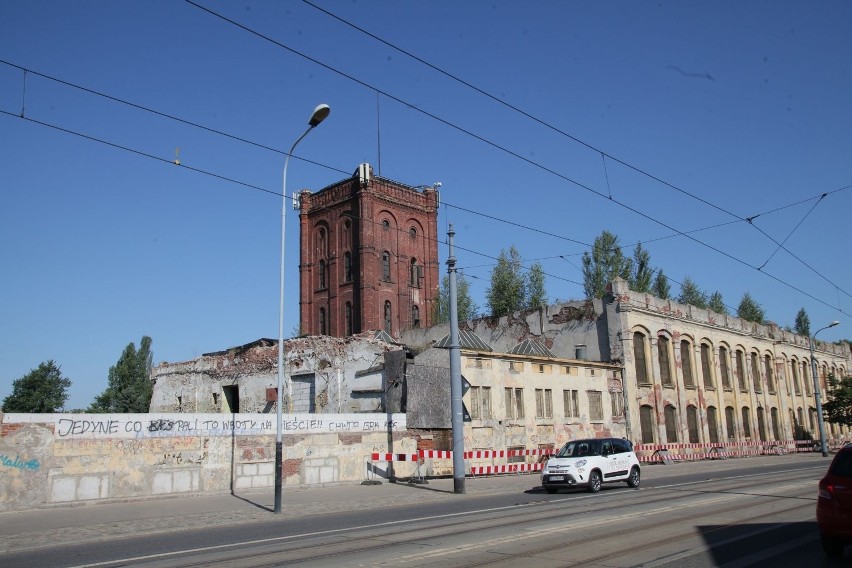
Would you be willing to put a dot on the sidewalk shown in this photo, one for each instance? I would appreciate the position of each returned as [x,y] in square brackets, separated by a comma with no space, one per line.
[23,530]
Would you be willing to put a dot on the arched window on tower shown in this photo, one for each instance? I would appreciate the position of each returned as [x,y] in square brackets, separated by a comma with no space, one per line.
[388,316]
[386,273]
[322,275]
[322,329]
[415,316]
[414,274]
[347,266]
[348,318]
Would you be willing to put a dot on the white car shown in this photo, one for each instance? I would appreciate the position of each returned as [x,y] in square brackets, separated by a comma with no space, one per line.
[591,463]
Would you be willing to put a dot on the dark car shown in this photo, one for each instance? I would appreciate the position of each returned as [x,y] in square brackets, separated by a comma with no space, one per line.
[834,504]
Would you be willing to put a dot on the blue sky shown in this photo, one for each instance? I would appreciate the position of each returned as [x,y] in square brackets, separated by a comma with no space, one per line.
[691,115]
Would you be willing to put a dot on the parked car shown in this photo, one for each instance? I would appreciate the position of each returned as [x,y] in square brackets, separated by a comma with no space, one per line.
[591,463]
[834,504]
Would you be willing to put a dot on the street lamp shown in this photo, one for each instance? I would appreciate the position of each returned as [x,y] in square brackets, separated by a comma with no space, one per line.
[320,113]
[817,394]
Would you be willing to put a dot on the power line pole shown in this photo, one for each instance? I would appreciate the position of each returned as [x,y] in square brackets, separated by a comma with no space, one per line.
[455,375]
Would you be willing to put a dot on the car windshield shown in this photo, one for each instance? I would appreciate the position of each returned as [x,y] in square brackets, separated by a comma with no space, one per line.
[842,465]
[580,448]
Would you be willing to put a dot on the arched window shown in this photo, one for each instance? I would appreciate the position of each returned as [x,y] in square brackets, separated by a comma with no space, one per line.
[692,424]
[770,377]
[712,425]
[386,272]
[348,318]
[646,421]
[322,274]
[686,363]
[388,316]
[746,422]
[730,422]
[415,316]
[664,359]
[741,379]
[806,377]
[755,372]
[801,422]
[797,386]
[412,232]
[706,366]
[385,225]
[321,242]
[347,266]
[639,350]
[773,418]
[671,424]
[724,369]
[322,329]
[761,424]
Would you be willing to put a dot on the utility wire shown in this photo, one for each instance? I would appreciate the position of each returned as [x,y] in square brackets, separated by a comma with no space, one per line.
[513,153]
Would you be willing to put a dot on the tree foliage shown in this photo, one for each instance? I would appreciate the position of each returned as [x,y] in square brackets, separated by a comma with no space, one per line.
[506,294]
[691,294]
[643,274]
[750,310]
[467,308]
[803,323]
[605,263]
[838,405]
[660,287]
[716,304]
[43,389]
[129,386]
[535,294]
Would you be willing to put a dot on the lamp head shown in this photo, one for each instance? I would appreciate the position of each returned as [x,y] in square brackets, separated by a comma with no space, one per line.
[320,114]
[832,324]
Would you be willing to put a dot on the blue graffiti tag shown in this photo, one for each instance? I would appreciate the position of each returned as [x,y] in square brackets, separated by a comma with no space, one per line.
[17,463]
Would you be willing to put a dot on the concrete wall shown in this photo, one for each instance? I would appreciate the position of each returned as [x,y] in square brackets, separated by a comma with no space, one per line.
[50,459]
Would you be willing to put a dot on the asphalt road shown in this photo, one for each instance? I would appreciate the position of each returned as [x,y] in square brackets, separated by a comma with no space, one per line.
[747,512]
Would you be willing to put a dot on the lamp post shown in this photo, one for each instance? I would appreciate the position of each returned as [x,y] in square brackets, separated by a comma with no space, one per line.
[817,394]
[320,113]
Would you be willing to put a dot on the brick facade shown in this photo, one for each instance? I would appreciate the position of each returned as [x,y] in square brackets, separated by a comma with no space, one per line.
[369,256]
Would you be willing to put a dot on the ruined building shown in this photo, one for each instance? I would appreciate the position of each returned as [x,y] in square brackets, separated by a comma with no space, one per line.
[369,256]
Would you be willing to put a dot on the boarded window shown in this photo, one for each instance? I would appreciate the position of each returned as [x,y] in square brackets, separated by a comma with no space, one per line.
[646,421]
[741,380]
[543,403]
[755,372]
[595,406]
[746,422]
[730,423]
[723,368]
[671,424]
[617,400]
[516,366]
[570,404]
[640,359]
[686,364]
[692,424]
[797,386]
[706,366]
[664,360]
[712,425]
[770,377]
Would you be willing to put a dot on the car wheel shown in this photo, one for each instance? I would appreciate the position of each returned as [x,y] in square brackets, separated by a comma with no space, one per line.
[634,479]
[833,547]
[595,481]
[551,489]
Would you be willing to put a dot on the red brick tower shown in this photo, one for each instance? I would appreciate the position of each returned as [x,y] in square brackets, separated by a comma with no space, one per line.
[369,256]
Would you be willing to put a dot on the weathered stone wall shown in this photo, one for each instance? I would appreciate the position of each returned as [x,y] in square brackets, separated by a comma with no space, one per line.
[49,459]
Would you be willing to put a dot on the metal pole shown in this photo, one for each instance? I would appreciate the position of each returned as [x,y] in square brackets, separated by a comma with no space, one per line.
[455,375]
[817,392]
[320,113]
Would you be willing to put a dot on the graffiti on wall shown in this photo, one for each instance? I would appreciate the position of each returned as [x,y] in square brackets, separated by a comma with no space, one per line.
[92,426]
[18,463]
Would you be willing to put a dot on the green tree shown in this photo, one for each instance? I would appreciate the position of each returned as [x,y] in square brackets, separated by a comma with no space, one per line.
[43,389]
[691,294]
[750,310]
[643,274]
[129,387]
[508,284]
[838,405]
[803,323]
[660,287]
[467,308]
[716,304]
[535,296]
[605,263]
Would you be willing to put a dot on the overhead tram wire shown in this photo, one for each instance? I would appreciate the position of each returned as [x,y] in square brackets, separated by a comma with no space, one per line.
[511,152]
[226,178]
[542,122]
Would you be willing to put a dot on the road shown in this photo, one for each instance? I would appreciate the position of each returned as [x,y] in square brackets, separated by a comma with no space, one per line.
[747,515]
